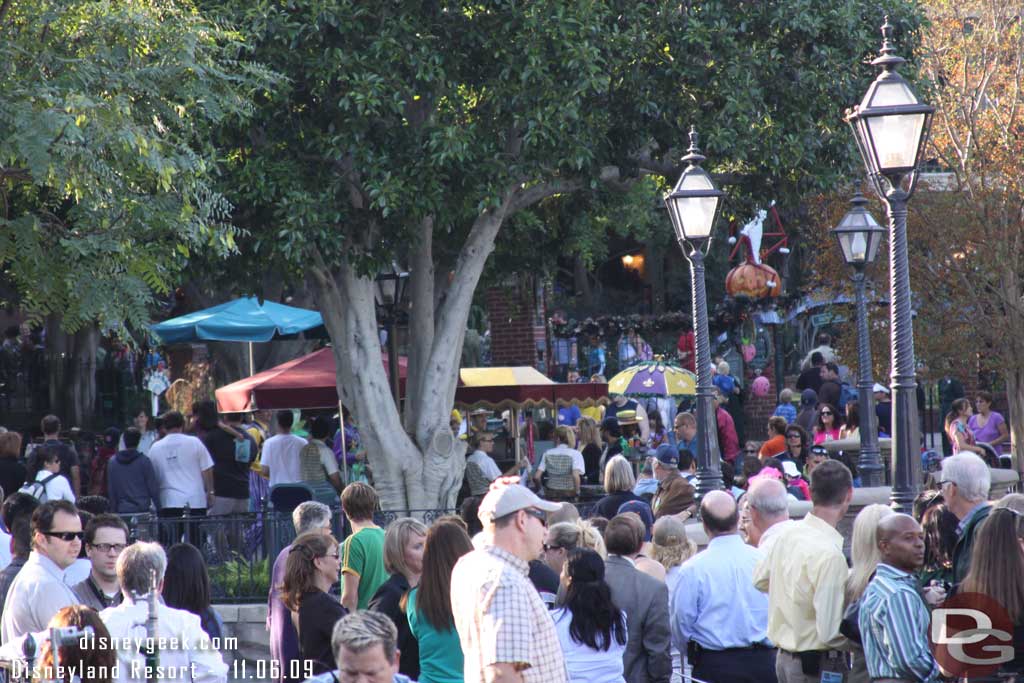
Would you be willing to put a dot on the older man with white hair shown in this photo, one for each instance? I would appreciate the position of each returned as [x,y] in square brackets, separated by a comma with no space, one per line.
[768,511]
[185,651]
[965,483]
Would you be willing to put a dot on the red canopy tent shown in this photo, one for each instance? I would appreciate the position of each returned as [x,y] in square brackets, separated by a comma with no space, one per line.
[306,382]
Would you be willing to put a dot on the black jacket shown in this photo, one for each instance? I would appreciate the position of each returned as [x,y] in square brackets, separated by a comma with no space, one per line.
[387,600]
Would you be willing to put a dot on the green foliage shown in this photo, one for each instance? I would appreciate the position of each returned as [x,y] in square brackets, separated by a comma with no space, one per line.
[240,579]
[395,111]
[106,162]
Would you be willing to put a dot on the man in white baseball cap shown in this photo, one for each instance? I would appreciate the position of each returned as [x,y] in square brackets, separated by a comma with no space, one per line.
[504,627]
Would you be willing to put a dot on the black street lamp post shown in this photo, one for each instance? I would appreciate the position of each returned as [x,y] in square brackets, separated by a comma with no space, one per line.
[891,127]
[693,206]
[389,292]
[859,235]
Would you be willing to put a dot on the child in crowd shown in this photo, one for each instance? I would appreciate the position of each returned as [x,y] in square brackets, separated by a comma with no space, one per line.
[786,409]
[725,381]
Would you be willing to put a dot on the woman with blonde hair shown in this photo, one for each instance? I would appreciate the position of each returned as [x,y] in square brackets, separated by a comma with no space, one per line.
[671,547]
[618,484]
[404,541]
[590,538]
[865,558]
[561,467]
[591,447]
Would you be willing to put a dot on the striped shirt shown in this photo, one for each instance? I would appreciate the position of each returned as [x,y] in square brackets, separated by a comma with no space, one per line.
[894,628]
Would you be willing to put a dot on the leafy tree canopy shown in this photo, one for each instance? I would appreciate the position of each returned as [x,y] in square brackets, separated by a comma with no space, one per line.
[396,111]
[106,164]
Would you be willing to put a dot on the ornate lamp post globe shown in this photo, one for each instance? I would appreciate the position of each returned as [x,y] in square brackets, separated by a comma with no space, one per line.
[693,206]
[890,124]
[694,203]
[859,235]
[891,128]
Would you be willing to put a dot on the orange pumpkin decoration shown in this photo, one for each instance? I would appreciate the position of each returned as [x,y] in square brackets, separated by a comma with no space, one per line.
[753,280]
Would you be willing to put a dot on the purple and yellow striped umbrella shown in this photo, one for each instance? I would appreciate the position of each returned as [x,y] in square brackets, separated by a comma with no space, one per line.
[653,379]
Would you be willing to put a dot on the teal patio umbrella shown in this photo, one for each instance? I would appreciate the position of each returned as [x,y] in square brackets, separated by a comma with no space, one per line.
[241,320]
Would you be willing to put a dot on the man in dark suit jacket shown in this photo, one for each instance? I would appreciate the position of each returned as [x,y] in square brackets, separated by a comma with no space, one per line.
[643,598]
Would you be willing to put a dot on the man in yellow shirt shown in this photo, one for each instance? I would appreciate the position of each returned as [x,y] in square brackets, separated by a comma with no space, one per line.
[804,575]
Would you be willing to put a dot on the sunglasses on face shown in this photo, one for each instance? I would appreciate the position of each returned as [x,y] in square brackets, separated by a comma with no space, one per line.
[551,547]
[826,412]
[792,436]
[538,514]
[64,535]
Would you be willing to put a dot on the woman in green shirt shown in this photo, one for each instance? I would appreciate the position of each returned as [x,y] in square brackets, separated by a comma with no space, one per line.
[429,606]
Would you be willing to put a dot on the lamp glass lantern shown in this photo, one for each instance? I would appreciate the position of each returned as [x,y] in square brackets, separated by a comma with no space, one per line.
[859,234]
[389,286]
[694,203]
[890,124]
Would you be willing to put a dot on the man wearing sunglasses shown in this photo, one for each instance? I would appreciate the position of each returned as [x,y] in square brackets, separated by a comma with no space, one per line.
[506,632]
[39,591]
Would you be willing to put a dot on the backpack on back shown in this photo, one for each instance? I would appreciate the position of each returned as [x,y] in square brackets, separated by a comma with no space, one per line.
[37,489]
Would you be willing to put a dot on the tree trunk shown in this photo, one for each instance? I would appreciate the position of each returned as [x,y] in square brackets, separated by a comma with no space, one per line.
[1015,400]
[82,385]
[581,283]
[407,476]
[71,360]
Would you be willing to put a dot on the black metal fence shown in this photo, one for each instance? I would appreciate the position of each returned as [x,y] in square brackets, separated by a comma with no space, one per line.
[240,549]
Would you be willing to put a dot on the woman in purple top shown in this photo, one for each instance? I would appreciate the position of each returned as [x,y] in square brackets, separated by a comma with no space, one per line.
[987,425]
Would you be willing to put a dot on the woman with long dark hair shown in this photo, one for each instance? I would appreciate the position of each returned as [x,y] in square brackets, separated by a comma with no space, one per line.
[312,567]
[798,445]
[940,533]
[960,437]
[429,606]
[997,570]
[828,425]
[187,587]
[591,628]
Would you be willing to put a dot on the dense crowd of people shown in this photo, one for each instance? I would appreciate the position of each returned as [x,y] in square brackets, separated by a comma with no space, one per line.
[519,586]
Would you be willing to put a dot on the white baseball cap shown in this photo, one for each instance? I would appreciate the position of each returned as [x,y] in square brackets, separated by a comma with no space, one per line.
[504,499]
[880,388]
[790,468]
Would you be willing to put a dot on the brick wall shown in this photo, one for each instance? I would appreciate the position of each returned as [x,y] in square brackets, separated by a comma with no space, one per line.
[517,316]
[756,409]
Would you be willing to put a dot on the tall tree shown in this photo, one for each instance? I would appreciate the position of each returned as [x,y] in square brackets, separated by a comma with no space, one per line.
[406,130]
[970,232]
[105,157]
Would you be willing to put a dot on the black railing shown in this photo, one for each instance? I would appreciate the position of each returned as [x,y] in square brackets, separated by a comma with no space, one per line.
[240,549]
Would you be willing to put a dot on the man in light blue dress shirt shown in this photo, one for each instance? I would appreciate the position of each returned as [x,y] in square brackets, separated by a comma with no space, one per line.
[715,606]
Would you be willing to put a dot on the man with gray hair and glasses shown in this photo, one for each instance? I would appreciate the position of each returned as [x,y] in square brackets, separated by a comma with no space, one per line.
[365,647]
[186,652]
[284,641]
[964,483]
[767,511]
